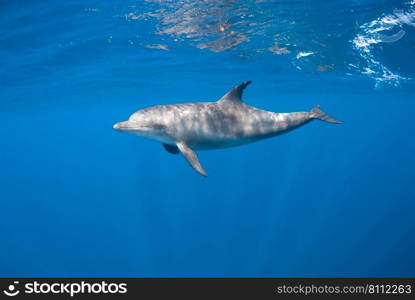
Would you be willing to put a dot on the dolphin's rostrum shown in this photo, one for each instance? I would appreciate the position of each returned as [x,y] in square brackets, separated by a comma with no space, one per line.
[228,122]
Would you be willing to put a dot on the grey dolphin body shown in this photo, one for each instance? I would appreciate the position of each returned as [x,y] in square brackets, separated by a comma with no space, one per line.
[227,122]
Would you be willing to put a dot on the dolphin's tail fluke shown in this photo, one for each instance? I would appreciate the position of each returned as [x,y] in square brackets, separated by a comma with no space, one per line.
[317,113]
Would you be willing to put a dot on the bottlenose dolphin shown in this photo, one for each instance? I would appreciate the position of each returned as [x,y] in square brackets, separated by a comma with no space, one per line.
[228,122]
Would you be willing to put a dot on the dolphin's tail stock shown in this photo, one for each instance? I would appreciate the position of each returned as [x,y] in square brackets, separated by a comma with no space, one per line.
[317,113]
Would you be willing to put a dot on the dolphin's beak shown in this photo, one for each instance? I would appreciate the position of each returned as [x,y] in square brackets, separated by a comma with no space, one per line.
[124,126]
[117,126]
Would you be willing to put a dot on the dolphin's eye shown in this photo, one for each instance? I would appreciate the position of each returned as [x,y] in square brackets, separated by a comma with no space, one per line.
[158,126]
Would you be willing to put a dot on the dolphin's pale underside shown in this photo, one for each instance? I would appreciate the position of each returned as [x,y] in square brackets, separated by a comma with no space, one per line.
[228,122]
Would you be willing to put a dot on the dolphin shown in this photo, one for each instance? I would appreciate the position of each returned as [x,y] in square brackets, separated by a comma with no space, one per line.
[228,122]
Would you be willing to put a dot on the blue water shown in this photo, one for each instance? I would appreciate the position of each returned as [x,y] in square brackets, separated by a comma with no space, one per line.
[80,199]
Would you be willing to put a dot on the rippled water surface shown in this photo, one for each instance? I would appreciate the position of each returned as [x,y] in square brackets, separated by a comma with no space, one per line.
[79,199]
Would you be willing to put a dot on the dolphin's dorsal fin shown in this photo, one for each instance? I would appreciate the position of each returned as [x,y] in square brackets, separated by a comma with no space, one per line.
[235,94]
[191,158]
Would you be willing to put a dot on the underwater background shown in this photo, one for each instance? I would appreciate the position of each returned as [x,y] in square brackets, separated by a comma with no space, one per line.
[80,199]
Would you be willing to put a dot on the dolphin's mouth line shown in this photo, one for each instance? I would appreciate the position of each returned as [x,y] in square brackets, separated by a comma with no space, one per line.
[130,129]
[120,127]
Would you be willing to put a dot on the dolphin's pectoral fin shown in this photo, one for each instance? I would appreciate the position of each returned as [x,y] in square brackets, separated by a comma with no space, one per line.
[191,158]
[235,94]
[171,149]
